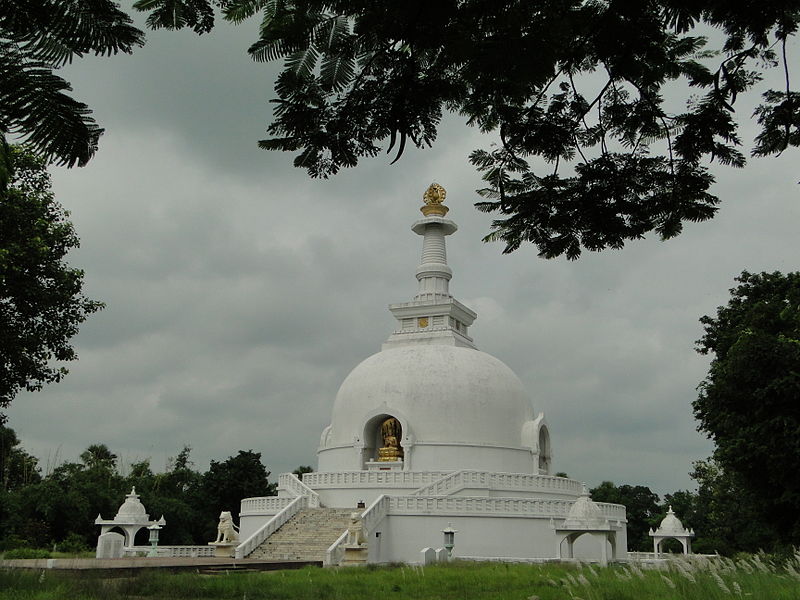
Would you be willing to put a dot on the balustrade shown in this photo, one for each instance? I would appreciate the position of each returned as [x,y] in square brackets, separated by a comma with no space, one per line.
[467,505]
[263,504]
[371,479]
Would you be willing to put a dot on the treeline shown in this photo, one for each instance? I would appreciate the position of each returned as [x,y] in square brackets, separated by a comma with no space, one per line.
[59,508]
[725,517]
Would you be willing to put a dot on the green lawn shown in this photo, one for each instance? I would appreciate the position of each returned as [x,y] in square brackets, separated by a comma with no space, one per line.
[751,577]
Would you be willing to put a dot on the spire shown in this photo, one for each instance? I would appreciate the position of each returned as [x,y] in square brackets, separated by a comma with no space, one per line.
[433,316]
[433,273]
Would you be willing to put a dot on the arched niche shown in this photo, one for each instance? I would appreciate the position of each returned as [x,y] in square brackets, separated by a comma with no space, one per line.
[673,545]
[544,450]
[372,436]
[606,540]
[536,436]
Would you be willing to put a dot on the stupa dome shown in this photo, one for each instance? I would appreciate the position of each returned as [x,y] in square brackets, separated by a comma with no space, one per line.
[585,514]
[430,400]
[132,509]
[443,393]
[671,524]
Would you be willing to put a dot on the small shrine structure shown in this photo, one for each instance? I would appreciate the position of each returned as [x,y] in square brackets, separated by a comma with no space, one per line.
[672,528]
[130,518]
[585,517]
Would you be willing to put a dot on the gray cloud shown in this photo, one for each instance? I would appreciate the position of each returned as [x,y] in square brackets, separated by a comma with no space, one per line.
[240,293]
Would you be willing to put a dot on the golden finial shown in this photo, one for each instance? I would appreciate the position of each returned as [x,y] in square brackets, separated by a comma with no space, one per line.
[433,197]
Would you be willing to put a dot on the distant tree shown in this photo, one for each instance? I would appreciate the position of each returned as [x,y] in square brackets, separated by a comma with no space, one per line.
[98,456]
[41,296]
[175,494]
[225,484]
[727,516]
[749,403]
[589,154]
[642,509]
[68,499]
[17,467]
[37,37]
[302,470]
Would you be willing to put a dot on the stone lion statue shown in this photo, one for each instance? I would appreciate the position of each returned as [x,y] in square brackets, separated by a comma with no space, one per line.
[355,531]
[227,532]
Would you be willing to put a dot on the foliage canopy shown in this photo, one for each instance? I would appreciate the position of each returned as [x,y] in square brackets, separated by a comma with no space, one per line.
[589,154]
[749,403]
[41,296]
[37,37]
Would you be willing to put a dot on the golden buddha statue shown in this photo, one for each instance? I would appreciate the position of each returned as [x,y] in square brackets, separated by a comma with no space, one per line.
[391,433]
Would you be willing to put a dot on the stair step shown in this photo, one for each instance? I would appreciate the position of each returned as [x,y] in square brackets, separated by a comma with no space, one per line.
[306,536]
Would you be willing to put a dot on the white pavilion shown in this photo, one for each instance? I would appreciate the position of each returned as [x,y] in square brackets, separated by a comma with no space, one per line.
[431,432]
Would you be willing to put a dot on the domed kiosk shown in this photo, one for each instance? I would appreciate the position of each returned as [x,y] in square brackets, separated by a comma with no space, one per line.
[431,431]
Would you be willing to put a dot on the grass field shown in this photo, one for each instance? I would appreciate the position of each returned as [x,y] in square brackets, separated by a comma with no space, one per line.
[752,577]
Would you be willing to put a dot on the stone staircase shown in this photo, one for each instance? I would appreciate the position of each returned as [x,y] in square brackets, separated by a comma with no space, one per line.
[306,536]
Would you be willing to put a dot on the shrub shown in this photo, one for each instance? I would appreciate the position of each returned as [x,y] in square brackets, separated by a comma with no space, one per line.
[73,544]
[26,553]
[13,541]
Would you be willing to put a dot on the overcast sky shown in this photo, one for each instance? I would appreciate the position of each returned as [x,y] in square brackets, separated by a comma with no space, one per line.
[240,293]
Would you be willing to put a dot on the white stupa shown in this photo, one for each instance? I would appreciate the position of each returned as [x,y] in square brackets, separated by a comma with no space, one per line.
[431,431]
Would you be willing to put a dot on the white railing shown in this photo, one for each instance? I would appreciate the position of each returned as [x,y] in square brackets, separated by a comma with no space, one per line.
[644,556]
[482,505]
[335,552]
[458,480]
[173,551]
[263,504]
[665,556]
[613,512]
[399,479]
[267,529]
[290,483]
[522,481]
[374,514]
[444,486]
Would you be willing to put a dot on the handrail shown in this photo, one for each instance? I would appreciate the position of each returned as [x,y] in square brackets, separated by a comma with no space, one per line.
[291,483]
[374,514]
[436,487]
[267,529]
[333,555]
[370,518]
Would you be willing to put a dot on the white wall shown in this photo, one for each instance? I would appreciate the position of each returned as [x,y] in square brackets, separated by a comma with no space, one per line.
[402,537]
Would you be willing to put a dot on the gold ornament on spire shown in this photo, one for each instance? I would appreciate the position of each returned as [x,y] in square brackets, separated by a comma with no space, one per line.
[433,197]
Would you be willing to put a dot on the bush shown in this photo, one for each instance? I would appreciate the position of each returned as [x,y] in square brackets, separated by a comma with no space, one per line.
[26,553]
[13,541]
[73,544]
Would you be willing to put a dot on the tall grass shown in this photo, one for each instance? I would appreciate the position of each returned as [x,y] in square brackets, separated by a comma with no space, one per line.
[753,577]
